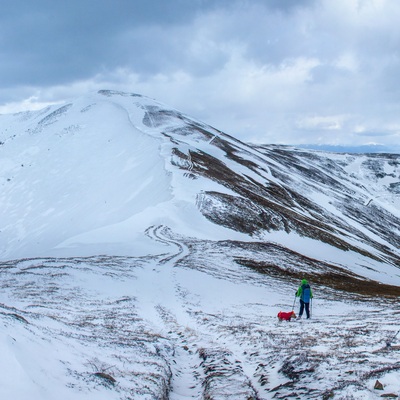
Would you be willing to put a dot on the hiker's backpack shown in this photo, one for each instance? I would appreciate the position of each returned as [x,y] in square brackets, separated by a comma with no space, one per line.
[305,293]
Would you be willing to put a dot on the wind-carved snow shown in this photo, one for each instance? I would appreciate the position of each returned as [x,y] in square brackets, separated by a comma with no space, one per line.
[146,256]
[83,177]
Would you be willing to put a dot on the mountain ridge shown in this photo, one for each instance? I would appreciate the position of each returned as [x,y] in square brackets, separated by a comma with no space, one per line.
[145,255]
[154,158]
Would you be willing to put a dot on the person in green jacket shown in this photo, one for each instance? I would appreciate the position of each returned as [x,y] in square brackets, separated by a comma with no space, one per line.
[305,294]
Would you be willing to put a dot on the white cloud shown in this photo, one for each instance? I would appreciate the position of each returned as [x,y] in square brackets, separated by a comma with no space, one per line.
[30,104]
[321,123]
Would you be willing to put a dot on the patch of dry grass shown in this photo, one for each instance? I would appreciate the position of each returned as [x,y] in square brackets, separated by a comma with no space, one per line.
[334,278]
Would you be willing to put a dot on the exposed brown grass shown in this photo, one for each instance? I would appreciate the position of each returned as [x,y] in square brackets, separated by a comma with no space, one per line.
[337,279]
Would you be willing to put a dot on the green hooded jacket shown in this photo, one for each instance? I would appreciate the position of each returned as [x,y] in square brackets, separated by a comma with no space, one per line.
[302,292]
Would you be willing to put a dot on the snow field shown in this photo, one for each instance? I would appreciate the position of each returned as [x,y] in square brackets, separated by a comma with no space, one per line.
[186,323]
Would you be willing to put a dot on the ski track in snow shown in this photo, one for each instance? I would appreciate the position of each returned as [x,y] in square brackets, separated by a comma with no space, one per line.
[185,381]
[160,234]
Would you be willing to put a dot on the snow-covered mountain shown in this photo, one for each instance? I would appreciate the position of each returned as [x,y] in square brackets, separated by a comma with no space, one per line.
[150,254]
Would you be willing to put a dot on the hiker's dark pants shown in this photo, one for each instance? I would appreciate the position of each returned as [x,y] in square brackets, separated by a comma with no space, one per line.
[306,306]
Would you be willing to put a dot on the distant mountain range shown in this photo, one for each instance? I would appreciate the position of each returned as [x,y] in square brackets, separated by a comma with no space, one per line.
[365,149]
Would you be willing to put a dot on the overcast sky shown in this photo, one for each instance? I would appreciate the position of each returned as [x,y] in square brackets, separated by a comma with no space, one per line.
[265,71]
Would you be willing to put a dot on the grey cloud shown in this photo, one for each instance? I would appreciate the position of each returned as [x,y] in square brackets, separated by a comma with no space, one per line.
[375,133]
[323,74]
[50,42]
[47,42]
[287,58]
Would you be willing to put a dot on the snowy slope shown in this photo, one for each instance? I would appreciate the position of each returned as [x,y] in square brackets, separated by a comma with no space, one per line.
[91,176]
[190,323]
[145,255]
[88,176]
